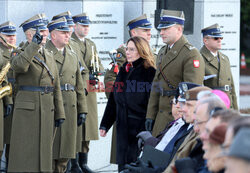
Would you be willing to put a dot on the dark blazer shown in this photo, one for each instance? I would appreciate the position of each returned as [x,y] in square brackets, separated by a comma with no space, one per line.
[177,143]
[127,106]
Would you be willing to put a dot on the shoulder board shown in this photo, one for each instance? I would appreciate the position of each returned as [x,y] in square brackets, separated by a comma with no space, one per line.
[87,39]
[190,47]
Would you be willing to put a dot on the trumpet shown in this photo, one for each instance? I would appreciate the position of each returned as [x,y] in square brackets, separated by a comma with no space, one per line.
[6,90]
[4,71]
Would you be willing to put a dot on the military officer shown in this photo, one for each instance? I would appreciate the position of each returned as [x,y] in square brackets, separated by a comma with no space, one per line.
[72,91]
[139,26]
[69,19]
[7,44]
[177,61]
[217,65]
[74,47]
[38,107]
[88,54]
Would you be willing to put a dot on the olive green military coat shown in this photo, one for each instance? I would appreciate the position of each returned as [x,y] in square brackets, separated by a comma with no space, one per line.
[179,64]
[1,111]
[90,132]
[74,101]
[73,46]
[7,99]
[34,112]
[222,70]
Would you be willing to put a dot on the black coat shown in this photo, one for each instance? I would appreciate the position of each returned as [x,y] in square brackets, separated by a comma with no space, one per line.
[127,105]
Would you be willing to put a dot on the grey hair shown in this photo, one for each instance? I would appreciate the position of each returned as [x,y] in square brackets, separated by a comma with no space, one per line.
[212,102]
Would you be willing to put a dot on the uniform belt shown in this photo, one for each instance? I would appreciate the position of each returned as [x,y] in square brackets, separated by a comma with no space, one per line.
[168,92]
[11,80]
[224,88]
[45,89]
[67,87]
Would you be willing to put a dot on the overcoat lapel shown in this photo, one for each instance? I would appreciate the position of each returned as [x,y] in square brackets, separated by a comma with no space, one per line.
[210,58]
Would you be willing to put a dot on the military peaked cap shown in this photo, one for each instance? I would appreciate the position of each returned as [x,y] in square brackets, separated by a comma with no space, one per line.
[37,21]
[170,18]
[82,19]
[140,22]
[68,17]
[8,28]
[212,31]
[59,25]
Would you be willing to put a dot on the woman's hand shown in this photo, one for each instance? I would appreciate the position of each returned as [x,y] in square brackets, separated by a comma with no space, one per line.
[103,133]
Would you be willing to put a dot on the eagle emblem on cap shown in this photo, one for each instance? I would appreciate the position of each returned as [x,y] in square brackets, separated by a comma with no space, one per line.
[185,87]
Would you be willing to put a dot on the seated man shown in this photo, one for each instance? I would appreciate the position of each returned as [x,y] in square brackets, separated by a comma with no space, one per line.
[184,139]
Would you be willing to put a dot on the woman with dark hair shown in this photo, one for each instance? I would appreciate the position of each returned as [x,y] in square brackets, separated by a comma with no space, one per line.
[127,104]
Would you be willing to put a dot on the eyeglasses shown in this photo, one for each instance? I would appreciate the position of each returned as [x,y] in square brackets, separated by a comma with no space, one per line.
[130,49]
[174,101]
[215,38]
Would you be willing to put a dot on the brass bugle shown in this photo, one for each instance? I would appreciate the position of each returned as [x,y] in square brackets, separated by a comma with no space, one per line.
[6,90]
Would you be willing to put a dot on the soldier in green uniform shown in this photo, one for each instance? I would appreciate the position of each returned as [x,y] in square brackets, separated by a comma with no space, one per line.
[75,106]
[38,108]
[7,45]
[74,47]
[217,65]
[139,26]
[177,61]
[88,54]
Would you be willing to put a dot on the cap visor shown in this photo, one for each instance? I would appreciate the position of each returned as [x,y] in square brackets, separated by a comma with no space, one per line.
[161,26]
[63,29]
[9,33]
[145,27]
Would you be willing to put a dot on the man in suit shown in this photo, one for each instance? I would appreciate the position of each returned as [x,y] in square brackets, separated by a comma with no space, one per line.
[38,108]
[88,54]
[75,106]
[7,45]
[177,61]
[217,65]
[178,143]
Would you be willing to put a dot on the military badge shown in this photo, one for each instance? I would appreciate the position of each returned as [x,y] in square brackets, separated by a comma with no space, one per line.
[196,63]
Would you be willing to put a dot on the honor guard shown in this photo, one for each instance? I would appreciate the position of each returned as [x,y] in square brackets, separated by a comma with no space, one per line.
[74,47]
[177,61]
[88,54]
[38,109]
[74,99]
[7,45]
[217,65]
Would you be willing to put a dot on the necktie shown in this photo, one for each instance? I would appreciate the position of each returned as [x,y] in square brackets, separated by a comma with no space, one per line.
[128,66]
